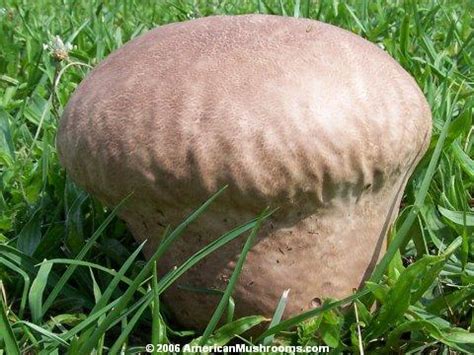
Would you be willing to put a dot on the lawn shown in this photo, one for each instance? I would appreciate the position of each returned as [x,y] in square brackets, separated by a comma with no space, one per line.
[72,279]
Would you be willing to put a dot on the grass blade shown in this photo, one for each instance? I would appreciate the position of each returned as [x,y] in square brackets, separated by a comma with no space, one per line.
[296,11]
[35,297]
[230,330]
[461,218]
[97,296]
[233,279]
[126,332]
[115,281]
[310,314]
[6,332]
[211,291]
[277,315]
[26,283]
[167,240]
[70,270]
[88,264]
[171,277]
[158,328]
[112,287]
[30,266]
[43,332]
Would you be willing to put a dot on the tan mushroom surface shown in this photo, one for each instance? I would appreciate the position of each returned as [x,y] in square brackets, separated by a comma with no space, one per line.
[289,113]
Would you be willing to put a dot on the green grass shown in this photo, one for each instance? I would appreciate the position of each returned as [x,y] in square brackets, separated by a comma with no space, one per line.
[73,279]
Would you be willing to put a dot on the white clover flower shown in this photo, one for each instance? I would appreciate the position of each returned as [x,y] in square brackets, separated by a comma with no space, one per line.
[58,49]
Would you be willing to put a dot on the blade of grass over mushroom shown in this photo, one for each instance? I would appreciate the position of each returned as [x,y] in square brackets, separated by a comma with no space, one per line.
[167,280]
[231,330]
[167,240]
[6,332]
[164,245]
[402,233]
[233,279]
[70,270]
[172,276]
[277,315]
[291,322]
[210,291]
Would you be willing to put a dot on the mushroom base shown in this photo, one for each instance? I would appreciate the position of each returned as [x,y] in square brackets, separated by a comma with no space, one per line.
[324,255]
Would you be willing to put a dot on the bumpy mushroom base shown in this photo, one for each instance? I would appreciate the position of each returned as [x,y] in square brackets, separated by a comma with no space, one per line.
[326,254]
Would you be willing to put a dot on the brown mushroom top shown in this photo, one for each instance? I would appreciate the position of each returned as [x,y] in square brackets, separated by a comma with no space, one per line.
[288,112]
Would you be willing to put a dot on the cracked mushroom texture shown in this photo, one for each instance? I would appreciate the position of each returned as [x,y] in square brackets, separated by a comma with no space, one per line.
[289,113]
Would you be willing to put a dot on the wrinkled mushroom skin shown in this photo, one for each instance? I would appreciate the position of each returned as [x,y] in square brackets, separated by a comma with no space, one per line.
[289,113]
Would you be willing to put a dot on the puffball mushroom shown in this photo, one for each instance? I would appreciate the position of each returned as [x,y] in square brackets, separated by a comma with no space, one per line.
[289,113]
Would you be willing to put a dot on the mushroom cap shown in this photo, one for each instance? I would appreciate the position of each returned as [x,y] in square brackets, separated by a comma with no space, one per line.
[289,113]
